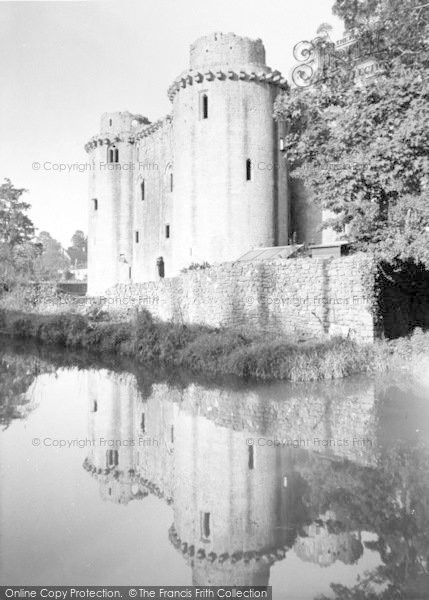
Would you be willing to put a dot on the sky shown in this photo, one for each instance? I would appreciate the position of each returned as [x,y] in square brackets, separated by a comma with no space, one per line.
[63,64]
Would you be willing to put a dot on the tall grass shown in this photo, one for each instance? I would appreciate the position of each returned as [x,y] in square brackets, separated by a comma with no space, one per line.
[212,351]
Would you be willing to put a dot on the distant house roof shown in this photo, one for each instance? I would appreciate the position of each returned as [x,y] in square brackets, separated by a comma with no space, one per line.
[269,253]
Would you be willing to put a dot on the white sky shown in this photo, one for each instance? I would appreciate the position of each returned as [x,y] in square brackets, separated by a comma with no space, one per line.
[62,64]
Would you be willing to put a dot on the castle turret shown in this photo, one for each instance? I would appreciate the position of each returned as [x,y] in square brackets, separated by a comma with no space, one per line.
[113,454]
[110,239]
[230,179]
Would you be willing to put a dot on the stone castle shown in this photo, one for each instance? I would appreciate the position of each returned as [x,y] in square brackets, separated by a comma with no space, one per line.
[206,184]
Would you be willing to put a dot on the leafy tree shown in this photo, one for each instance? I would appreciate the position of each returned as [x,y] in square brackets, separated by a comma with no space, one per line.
[78,251]
[15,226]
[362,147]
[17,373]
[52,260]
[16,233]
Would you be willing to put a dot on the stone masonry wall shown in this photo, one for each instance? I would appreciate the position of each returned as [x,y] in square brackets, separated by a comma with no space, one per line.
[298,297]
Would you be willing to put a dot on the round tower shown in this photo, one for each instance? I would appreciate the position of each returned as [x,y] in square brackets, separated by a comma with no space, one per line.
[231,507]
[228,170]
[112,457]
[110,235]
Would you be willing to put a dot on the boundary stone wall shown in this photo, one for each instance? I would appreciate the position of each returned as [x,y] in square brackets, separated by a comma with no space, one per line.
[302,298]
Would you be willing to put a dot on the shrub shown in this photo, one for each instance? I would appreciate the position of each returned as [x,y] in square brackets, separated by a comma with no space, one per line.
[111,336]
[22,327]
[147,336]
[196,267]
[175,339]
[209,351]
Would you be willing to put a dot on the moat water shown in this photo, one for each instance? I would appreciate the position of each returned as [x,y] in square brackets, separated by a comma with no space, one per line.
[112,475]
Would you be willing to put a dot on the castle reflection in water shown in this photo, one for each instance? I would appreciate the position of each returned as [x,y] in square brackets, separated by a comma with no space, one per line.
[226,462]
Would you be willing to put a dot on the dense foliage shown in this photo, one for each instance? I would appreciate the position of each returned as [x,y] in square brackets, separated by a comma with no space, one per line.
[16,233]
[25,256]
[361,147]
[78,251]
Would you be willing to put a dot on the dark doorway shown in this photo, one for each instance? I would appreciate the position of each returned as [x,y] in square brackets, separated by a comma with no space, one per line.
[403,299]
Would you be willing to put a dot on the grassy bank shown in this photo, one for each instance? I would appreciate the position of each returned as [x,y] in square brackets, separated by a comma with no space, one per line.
[211,351]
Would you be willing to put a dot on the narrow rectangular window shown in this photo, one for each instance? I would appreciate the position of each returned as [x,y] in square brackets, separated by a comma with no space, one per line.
[143,423]
[171,182]
[248,170]
[251,458]
[282,144]
[205,525]
[95,203]
[167,231]
[142,189]
[204,105]
[172,434]
[137,237]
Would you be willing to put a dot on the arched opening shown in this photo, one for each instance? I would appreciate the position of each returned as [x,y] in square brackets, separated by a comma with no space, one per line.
[160,267]
[142,189]
[112,155]
[95,203]
[112,458]
[402,299]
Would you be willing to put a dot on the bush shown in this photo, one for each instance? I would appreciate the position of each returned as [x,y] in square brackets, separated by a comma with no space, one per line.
[209,351]
[147,336]
[22,327]
[176,339]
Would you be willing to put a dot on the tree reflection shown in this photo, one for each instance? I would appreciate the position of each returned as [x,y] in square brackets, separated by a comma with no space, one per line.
[17,373]
[391,501]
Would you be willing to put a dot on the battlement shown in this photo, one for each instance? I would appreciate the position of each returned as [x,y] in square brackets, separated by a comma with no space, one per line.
[121,121]
[226,49]
[226,56]
[152,128]
[267,555]
[118,127]
[240,74]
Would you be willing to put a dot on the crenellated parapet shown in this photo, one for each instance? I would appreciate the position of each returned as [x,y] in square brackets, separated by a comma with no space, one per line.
[154,127]
[190,553]
[126,136]
[107,141]
[265,75]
